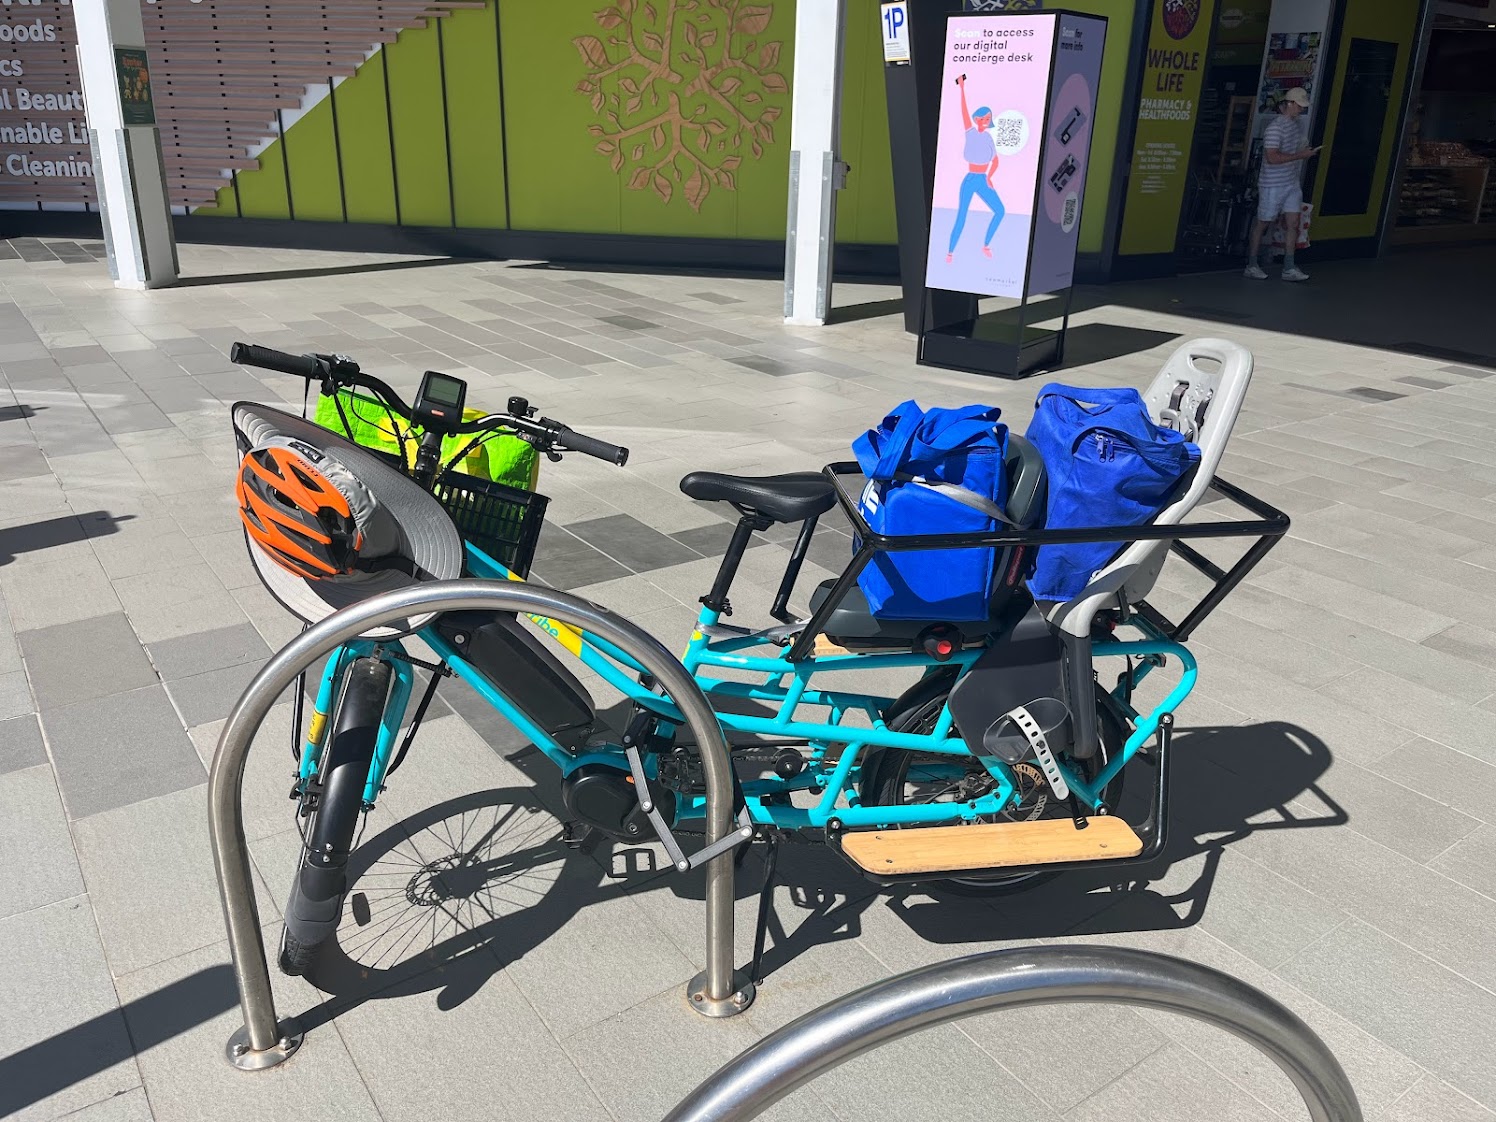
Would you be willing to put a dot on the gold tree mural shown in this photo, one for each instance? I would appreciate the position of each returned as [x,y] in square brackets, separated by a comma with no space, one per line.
[683,91]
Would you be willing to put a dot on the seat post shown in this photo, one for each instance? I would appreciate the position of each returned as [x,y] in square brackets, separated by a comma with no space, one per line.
[781,608]
[716,599]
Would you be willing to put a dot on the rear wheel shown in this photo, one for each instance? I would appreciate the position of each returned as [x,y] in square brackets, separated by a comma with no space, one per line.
[896,777]
[316,901]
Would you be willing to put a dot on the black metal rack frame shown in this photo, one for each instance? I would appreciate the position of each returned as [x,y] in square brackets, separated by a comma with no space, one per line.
[1269,525]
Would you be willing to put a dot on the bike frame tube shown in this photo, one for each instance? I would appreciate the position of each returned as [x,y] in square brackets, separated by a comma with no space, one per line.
[703,652]
[259,1043]
[827,1037]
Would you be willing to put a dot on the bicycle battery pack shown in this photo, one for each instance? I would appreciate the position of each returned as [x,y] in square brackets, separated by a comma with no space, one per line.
[518,666]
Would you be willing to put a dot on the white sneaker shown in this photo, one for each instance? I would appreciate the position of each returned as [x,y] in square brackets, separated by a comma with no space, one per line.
[1295,274]
[1255,272]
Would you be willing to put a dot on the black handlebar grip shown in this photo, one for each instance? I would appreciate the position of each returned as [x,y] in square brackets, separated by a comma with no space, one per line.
[268,358]
[589,446]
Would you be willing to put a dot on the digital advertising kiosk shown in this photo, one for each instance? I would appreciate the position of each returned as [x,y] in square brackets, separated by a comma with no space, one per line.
[990,118]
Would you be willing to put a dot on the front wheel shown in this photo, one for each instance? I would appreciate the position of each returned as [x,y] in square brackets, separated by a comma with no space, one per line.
[316,901]
[896,777]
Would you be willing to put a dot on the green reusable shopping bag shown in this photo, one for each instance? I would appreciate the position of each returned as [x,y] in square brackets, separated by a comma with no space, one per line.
[501,459]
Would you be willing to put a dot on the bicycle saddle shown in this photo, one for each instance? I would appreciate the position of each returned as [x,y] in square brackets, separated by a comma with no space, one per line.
[784,498]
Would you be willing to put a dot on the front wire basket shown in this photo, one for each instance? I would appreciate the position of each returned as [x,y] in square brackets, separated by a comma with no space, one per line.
[502,521]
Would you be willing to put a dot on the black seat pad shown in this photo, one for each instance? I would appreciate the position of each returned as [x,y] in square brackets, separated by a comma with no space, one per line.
[784,498]
[853,624]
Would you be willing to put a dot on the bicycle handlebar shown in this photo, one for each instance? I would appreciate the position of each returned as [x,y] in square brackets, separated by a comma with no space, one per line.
[339,370]
[268,358]
[570,439]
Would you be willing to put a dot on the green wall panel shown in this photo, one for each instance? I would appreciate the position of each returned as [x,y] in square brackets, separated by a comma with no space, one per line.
[413,66]
[311,150]
[364,145]
[648,116]
[864,211]
[642,117]
[1393,21]
[474,120]
[262,193]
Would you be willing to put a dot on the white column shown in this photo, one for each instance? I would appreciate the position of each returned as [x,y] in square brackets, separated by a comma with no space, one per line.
[128,174]
[816,172]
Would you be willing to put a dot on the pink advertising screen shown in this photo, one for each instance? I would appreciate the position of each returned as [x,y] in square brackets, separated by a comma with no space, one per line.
[992,119]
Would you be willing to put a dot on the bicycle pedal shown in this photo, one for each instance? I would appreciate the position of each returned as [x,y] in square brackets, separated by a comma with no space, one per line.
[359,903]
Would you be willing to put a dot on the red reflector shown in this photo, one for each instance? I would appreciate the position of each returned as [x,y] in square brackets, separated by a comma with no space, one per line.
[945,646]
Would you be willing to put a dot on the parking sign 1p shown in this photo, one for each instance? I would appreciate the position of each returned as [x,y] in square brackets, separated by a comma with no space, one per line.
[895,19]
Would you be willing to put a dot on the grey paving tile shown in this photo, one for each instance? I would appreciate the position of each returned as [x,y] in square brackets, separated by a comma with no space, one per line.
[212,695]
[88,658]
[547,1084]
[1463,781]
[1471,861]
[631,323]
[150,878]
[20,462]
[1397,616]
[148,752]
[606,957]
[170,604]
[40,866]
[132,1106]
[79,356]
[712,540]
[1468,371]
[564,561]
[1433,1101]
[663,1075]
[1169,1083]
[1405,1000]
[1385,809]
[1024,1040]
[132,418]
[631,543]
[63,1043]
[203,651]
[15,695]
[21,744]
[187,1077]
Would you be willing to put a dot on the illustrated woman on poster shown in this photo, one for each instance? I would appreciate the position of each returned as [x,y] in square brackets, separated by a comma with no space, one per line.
[981,164]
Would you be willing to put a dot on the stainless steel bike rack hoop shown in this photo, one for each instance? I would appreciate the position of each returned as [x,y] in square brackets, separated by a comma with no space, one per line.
[819,1041]
[265,1041]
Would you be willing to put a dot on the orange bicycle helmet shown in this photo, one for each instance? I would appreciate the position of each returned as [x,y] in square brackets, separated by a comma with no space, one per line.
[300,508]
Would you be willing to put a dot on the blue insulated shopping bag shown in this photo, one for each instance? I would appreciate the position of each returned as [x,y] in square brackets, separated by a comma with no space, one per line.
[1108,465]
[915,461]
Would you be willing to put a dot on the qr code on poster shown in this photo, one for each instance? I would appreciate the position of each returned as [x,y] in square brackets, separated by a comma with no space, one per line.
[1071,205]
[1008,132]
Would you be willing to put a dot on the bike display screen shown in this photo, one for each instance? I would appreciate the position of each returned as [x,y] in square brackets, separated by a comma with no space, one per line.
[440,397]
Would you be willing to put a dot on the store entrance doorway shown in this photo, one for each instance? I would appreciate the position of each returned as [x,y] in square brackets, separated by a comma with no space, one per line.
[1262,49]
[1448,193]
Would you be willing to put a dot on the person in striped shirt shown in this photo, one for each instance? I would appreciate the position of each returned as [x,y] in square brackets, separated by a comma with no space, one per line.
[1280,193]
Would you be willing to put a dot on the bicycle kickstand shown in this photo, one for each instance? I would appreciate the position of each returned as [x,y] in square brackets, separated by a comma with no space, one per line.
[765,909]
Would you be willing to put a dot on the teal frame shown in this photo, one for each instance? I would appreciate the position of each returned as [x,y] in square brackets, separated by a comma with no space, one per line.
[787,686]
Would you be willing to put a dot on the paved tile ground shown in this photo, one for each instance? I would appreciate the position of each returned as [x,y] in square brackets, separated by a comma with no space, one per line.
[1334,840]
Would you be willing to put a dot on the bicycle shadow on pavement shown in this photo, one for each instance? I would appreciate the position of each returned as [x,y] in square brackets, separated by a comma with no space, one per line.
[1227,783]
[446,898]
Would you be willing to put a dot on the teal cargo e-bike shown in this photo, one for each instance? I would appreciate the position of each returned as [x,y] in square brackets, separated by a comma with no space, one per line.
[1001,762]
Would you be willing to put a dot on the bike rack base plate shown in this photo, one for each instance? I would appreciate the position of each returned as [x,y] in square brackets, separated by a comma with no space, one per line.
[239,1053]
[734,1003]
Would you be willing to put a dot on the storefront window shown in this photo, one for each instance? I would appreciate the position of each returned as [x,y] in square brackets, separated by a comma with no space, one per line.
[1448,190]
